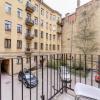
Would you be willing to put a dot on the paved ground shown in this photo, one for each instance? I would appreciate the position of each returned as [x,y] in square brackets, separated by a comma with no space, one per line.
[7,86]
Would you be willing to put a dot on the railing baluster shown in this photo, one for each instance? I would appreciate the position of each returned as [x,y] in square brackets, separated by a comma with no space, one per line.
[12,79]
[57,72]
[22,78]
[85,69]
[61,79]
[99,69]
[75,66]
[51,76]
[37,77]
[80,67]
[91,70]
[42,97]
[66,68]
[65,72]
[70,67]
[54,73]
[0,78]
[30,78]
[47,77]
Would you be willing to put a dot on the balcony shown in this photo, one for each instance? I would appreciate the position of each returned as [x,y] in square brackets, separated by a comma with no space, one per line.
[51,85]
[29,7]
[29,35]
[29,22]
[59,23]
[28,51]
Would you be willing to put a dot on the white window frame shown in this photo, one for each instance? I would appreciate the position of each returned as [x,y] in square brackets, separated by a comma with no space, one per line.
[8,8]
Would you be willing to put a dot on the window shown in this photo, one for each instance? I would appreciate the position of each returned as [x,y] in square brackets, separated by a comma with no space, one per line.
[27,46]
[46,46]
[42,11]
[50,36]
[46,25]
[35,45]
[41,46]
[18,60]
[27,60]
[8,25]
[54,28]
[35,58]
[54,18]
[46,14]
[28,16]
[41,34]
[19,13]
[28,31]
[46,35]
[19,28]
[8,8]
[54,47]
[50,47]
[41,23]
[36,21]
[19,44]
[50,27]
[50,16]
[36,7]
[58,18]
[7,43]
[58,47]
[36,32]
[20,1]
[54,37]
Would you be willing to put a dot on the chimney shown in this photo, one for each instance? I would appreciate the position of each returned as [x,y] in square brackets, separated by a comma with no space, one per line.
[78,3]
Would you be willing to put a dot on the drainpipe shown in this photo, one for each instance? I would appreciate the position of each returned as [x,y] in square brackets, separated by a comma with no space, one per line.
[78,3]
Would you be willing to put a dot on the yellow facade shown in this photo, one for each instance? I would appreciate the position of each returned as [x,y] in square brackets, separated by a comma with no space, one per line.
[17,11]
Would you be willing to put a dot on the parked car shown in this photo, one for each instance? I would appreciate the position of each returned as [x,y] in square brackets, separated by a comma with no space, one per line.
[64,74]
[28,79]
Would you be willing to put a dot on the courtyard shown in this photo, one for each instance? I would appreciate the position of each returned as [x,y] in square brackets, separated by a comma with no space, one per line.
[36,93]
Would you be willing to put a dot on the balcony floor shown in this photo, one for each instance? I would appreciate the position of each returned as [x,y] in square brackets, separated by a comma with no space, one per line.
[64,96]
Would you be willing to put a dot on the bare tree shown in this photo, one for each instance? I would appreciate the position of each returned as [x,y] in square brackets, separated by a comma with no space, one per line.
[86,37]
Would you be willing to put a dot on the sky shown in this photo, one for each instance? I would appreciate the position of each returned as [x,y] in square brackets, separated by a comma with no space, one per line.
[64,6]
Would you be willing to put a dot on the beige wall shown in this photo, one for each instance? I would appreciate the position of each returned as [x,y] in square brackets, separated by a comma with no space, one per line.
[69,32]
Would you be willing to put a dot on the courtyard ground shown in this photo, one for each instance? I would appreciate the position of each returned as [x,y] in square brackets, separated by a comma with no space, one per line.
[37,91]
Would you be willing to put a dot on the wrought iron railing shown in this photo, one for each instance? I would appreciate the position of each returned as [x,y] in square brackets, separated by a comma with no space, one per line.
[47,68]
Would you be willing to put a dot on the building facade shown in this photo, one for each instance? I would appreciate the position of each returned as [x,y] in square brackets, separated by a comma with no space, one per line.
[71,25]
[28,28]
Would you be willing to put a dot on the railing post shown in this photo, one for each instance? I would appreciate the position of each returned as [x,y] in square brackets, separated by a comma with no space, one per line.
[99,69]
[42,97]
[0,77]
[12,78]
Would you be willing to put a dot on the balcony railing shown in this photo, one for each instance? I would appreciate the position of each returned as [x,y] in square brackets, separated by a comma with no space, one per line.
[29,35]
[29,22]
[29,7]
[28,51]
[59,23]
[49,67]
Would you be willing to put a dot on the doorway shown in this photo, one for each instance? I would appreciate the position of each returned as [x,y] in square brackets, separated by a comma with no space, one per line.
[5,66]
